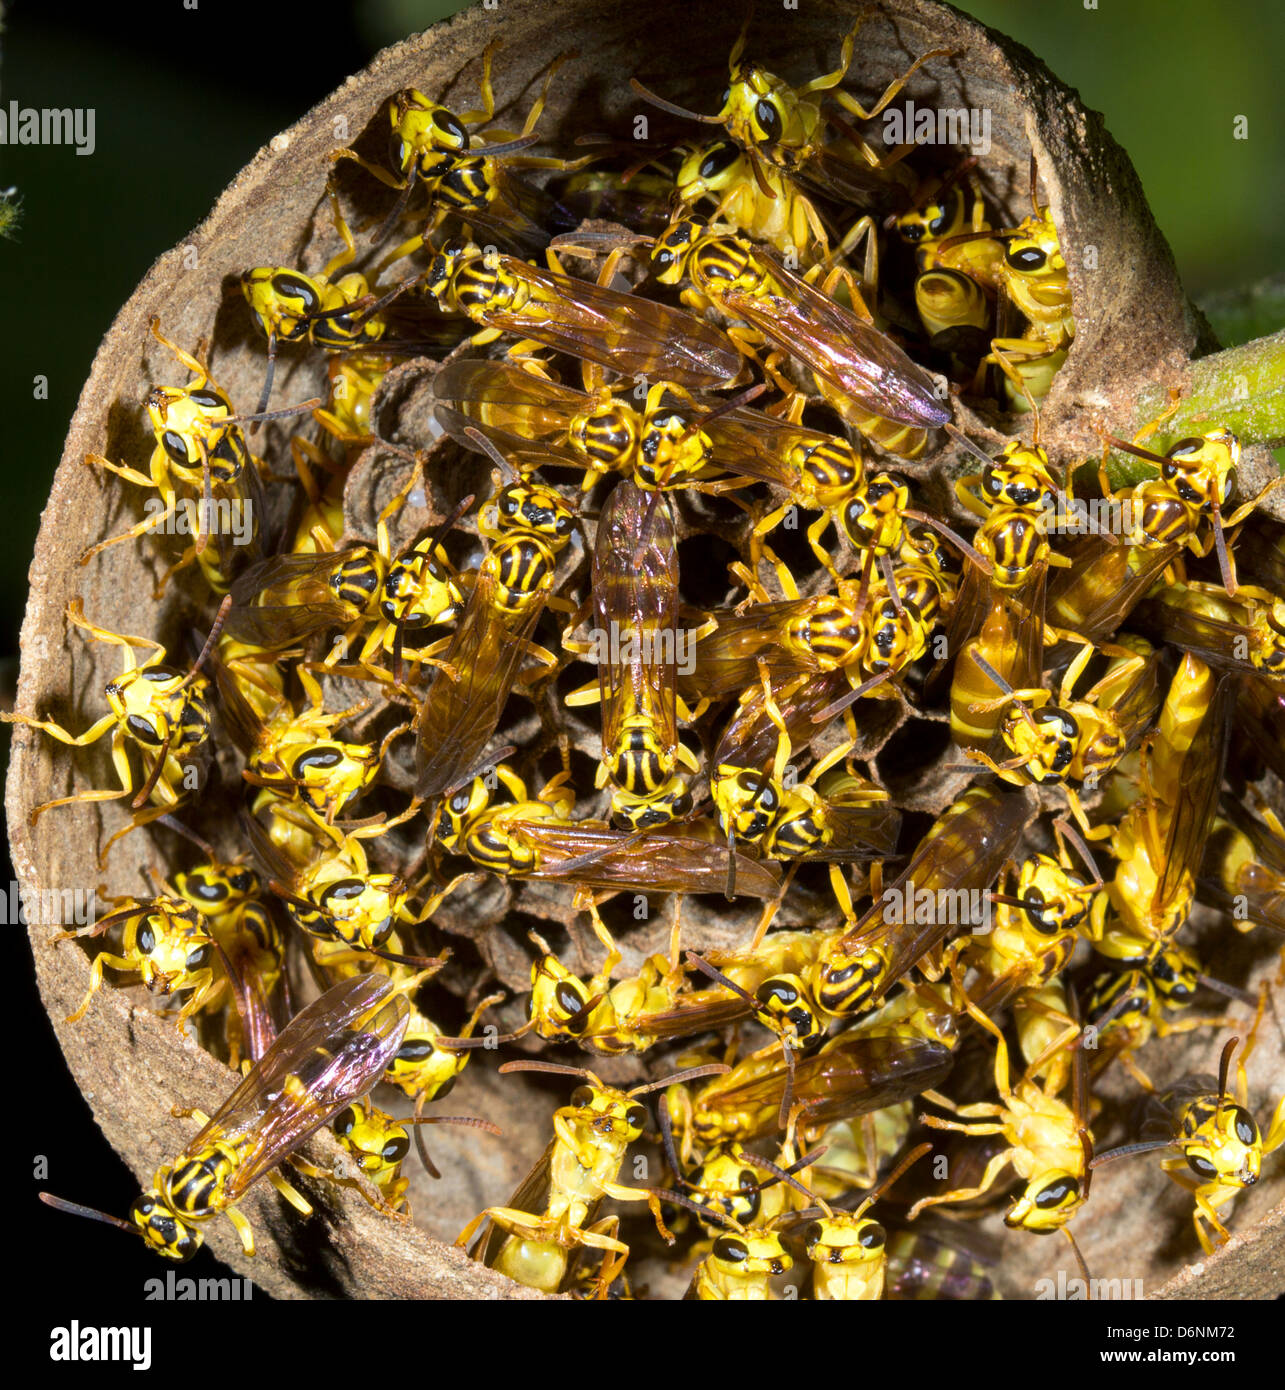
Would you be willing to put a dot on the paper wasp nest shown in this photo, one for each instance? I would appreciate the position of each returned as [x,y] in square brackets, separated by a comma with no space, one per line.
[1134,328]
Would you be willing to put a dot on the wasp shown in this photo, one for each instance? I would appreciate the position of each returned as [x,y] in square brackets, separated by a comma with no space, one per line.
[1220,1146]
[633,336]
[466,167]
[376,1144]
[461,709]
[891,399]
[1245,633]
[289,598]
[164,711]
[199,443]
[1049,1145]
[554,1210]
[535,837]
[766,204]
[780,128]
[296,755]
[955,284]
[328,1057]
[847,1077]
[963,852]
[1126,1009]
[636,1013]
[330,894]
[1159,842]
[1243,870]
[164,942]
[1032,277]
[336,313]
[937,1263]
[1080,740]
[636,632]
[846,1249]
[1200,471]
[229,898]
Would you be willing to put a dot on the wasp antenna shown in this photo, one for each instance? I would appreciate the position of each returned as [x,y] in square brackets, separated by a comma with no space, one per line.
[91,1213]
[220,618]
[688,1074]
[672,108]
[964,442]
[554,1068]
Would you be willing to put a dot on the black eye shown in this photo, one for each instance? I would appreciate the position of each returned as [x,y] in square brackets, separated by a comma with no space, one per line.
[582,1095]
[208,892]
[344,1124]
[142,729]
[780,990]
[1029,258]
[146,940]
[210,400]
[316,757]
[1201,1166]
[447,123]
[1246,1129]
[395,1150]
[730,1250]
[1056,1193]
[292,287]
[1184,447]
[174,446]
[200,958]
[568,999]
[343,890]
[872,1238]
[415,1051]
[636,1117]
[769,120]
[814,1233]
[720,157]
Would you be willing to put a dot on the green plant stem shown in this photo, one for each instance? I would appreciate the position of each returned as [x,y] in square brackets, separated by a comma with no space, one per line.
[1242,388]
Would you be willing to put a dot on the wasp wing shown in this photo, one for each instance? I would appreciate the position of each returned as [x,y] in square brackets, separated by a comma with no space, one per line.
[633,336]
[329,1055]
[463,706]
[865,364]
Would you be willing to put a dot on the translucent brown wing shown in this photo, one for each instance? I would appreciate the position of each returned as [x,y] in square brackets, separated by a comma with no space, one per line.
[848,1077]
[727,658]
[865,364]
[329,1055]
[630,335]
[524,415]
[1200,780]
[659,861]
[285,599]
[963,851]
[635,599]
[463,707]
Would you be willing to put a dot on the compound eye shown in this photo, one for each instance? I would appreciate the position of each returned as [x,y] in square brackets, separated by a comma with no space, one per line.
[1056,1193]
[1184,447]
[146,940]
[730,1250]
[199,958]
[143,729]
[568,1000]
[345,1123]
[396,1149]
[778,991]
[769,120]
[873,1237]
[1246,1128]
[448,125]
[174,446]
[582,1096]
[636,1117]
[719,158]
[1027,258]
[1201,1166]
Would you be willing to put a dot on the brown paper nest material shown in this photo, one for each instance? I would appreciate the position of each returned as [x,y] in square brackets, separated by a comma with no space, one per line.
[1135,327]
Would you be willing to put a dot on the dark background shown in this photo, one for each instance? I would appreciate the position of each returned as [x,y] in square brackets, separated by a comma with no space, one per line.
[185,97]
